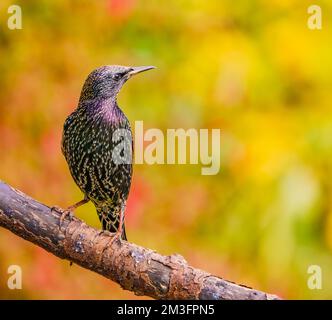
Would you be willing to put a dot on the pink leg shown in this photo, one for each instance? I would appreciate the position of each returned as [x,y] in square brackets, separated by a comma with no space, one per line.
[118,233]
[77,204]
[68,211]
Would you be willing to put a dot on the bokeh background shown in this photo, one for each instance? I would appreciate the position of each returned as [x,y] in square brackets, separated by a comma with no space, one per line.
[251,68]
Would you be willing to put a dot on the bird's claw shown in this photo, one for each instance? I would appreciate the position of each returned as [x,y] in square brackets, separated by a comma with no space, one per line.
[105,232]
[116,238]
[64,214]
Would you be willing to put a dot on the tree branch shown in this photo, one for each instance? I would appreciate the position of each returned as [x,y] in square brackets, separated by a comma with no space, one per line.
[134,268]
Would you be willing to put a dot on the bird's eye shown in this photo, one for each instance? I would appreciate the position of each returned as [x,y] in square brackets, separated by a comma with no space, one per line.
[116,76]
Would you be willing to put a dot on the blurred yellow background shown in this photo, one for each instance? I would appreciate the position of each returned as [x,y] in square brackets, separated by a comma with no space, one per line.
[251,68]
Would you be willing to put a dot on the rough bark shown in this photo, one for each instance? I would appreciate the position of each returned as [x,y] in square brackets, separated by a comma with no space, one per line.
[134,268]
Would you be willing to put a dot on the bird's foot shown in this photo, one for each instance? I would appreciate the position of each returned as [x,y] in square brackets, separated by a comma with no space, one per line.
[116,238]
[64,214]
[105,232]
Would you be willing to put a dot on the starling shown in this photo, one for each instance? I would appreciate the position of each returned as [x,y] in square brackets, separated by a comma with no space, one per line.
[94,143]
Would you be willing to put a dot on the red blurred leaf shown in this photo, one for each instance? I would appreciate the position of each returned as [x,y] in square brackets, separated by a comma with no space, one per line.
[121,9]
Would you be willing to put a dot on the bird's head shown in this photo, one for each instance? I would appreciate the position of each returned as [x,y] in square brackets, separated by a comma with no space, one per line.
[105,82]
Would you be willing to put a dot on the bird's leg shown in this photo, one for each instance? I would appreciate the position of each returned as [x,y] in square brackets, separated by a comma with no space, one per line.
[118,233]
[117,236]
[69,210]
[77,204]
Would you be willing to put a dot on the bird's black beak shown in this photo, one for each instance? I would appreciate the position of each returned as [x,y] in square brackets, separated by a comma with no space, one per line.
[136,70]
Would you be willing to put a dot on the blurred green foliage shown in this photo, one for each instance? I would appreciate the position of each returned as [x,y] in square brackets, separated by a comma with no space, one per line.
[251,68]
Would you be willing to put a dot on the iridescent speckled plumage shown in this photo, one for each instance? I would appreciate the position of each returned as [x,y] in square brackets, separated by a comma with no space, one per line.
[89,145]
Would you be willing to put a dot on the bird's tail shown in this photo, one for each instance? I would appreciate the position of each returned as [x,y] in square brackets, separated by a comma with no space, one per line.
[110,221]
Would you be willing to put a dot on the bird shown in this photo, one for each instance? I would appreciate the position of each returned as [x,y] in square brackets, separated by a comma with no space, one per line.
[97,144]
